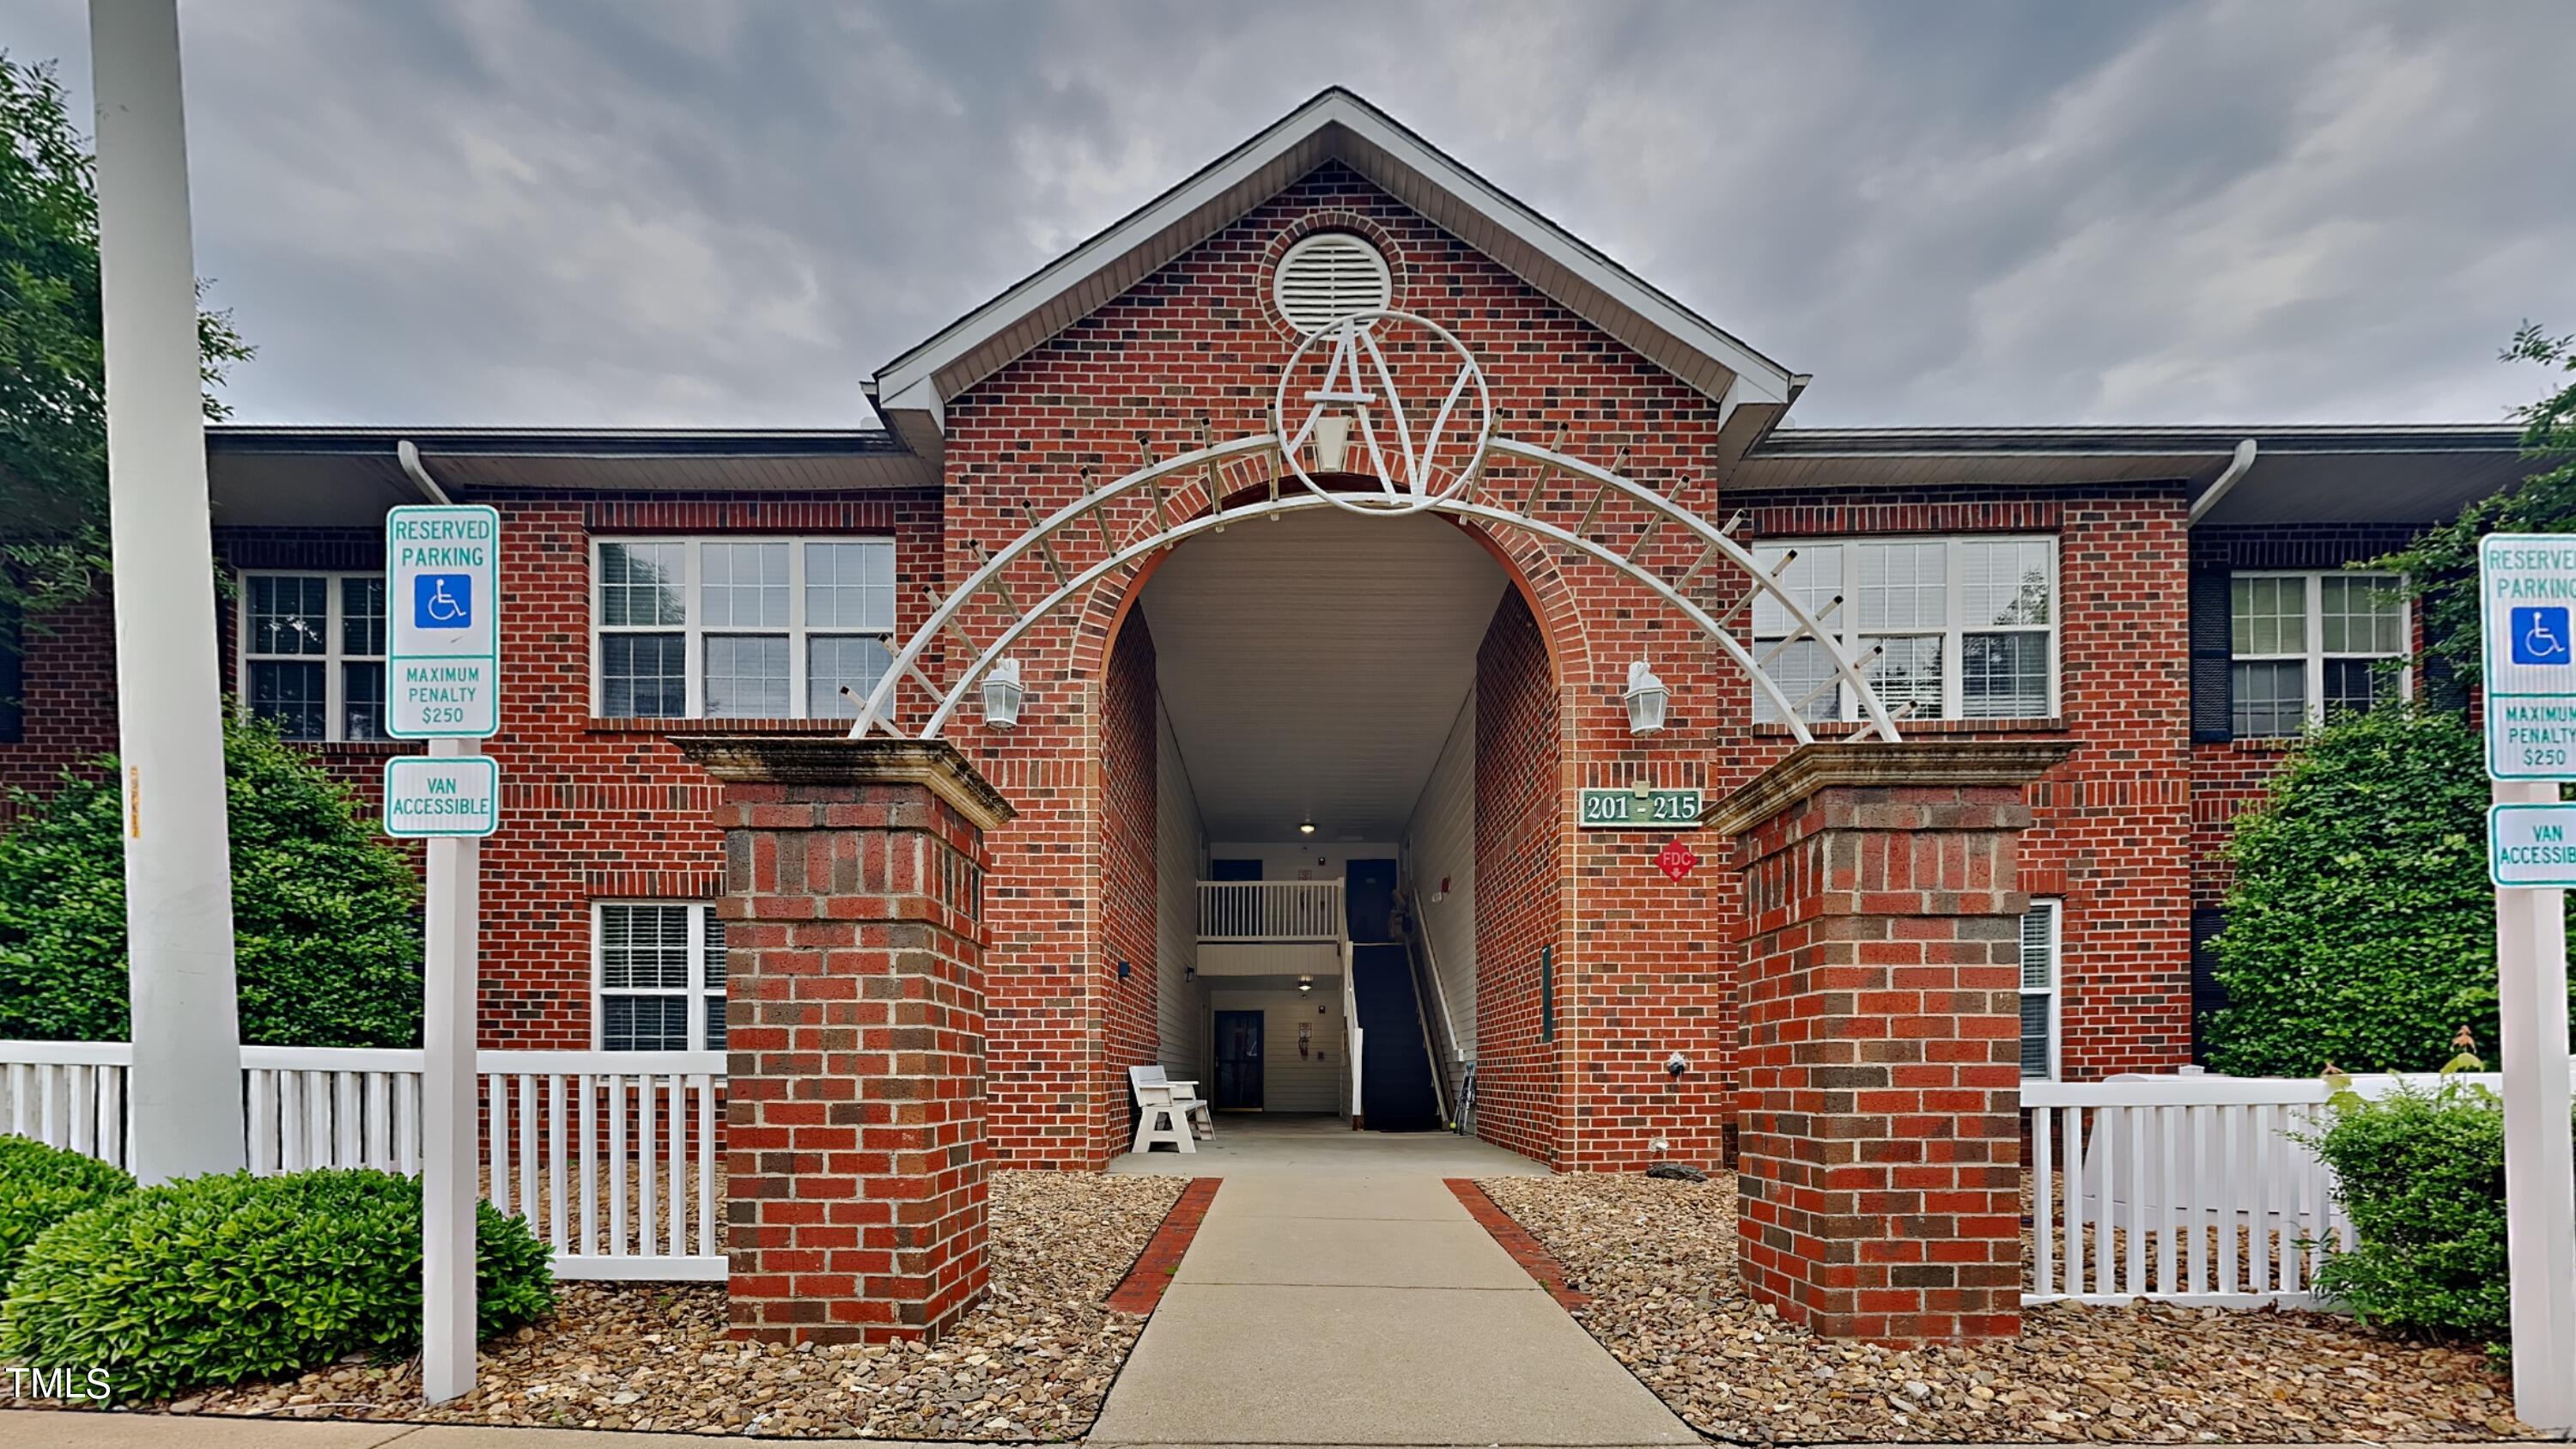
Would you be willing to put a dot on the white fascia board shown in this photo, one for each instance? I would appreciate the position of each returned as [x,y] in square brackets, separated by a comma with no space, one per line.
[911,378]
[913,375]
[1767,380]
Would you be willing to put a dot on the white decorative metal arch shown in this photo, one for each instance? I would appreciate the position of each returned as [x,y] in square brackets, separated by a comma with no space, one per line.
[1413,480]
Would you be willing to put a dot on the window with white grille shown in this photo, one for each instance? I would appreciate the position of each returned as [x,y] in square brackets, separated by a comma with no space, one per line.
[758,628]
[1964,628]
[661,973]
[1329,276]
[2040,951]
[2307,644]
[312,657]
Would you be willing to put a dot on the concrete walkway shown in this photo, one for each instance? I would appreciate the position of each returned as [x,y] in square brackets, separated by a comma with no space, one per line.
[1339,1294]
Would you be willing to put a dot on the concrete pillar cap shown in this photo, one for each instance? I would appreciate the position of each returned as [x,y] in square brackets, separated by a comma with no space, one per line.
[1809,769]
[936,765]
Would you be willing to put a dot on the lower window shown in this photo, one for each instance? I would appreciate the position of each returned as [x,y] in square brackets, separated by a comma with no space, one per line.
[661,973]
[2039,996]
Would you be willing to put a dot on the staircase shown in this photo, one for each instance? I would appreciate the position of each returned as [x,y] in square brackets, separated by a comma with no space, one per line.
[1395,1074]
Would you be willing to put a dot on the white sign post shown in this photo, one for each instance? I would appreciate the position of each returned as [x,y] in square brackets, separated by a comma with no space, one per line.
[2527,584]
[443,684]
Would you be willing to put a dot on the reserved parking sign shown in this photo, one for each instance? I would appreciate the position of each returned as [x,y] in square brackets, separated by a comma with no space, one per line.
[443,661]
[2528,584]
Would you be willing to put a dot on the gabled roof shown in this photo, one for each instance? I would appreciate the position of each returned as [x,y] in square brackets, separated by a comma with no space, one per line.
[1335,126]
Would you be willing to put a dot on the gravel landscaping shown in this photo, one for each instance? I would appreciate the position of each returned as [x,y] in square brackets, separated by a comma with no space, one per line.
[1032,1362]
[1658,1259]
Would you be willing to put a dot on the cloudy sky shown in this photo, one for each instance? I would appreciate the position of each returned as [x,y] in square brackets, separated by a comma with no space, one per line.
[609,212]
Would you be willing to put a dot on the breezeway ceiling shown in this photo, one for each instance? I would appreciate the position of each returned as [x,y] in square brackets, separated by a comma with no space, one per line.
[1316,663]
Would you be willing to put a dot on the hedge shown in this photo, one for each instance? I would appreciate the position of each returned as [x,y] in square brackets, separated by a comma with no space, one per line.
[2421,1176]
[40,1186]
[213,1280]
[2360,929]
[326,916]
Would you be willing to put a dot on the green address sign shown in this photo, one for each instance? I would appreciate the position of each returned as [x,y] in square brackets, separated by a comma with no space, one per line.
[1618,809]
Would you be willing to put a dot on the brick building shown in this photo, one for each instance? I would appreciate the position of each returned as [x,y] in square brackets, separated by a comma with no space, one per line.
[1390,716]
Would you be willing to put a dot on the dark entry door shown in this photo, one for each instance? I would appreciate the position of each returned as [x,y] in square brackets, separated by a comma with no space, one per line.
[1368,893]
[1238,1061]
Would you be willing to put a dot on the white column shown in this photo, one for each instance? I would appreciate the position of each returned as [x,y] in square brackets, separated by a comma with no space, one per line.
[2539,1183]
[186,1085]
[449,1153]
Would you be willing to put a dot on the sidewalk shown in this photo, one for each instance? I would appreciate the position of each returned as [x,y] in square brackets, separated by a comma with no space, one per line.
[1363,1306]
[47,1429]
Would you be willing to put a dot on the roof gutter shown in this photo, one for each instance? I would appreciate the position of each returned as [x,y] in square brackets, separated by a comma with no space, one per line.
[2235,472]
[419,475]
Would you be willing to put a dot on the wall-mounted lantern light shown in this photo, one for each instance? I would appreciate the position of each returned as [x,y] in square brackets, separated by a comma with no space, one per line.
[1002,695]
[1646,698]
[1305,984]
[1306,826]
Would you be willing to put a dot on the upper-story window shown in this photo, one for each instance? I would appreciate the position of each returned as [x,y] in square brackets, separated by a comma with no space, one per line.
[1968,626]
[312,655]
[762,628]
[2302,644]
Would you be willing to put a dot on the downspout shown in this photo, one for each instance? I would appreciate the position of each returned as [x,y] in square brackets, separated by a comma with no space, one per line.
[2235,472]
[419,475]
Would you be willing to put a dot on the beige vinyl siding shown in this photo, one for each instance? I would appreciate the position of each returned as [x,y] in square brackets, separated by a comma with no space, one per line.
[1180,1005]
[1441,843]
[1315,1082]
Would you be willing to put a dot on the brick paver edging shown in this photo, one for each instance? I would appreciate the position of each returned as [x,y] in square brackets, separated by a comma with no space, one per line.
[1527,1251]
[1143,1286]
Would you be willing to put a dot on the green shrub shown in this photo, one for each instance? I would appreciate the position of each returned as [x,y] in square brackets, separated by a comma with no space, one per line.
[2361,927]
[40,1186]
[2421,1175]
[326,917]
[213,1280]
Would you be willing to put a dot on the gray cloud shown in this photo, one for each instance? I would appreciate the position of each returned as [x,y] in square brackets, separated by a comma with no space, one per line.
[550,212]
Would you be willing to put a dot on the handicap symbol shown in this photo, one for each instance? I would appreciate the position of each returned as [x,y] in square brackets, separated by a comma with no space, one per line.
[442,601]
[2541,635]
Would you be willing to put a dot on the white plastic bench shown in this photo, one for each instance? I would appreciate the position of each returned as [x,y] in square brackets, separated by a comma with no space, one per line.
[1168,1111]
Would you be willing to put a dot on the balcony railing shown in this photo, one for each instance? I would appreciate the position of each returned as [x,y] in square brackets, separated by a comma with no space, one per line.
[1270,910]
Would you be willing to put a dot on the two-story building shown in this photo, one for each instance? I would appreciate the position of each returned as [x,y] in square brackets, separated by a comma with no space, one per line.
[1330,765]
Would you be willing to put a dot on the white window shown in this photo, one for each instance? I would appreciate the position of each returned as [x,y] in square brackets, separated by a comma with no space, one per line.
[312,655]
[2304,644]
[1965,628]
[661,972]
[744,628]
[2040,940]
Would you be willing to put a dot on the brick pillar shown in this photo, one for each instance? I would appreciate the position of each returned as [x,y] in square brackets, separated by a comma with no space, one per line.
[1879,1179]
[854,1106]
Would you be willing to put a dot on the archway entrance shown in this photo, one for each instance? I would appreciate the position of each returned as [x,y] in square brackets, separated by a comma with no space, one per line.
[1310,688]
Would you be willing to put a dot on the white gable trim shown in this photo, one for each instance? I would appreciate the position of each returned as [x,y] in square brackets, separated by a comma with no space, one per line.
[1336,125]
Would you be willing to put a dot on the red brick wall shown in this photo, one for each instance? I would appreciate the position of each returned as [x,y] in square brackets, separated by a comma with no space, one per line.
[591,809]
[2112,837]
[1130,893]
[1520,1087]
[69,691]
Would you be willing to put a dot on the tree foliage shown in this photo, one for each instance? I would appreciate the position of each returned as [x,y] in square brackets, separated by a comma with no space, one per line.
[326,918]
[53,394]
[2361,927]
[2441,566]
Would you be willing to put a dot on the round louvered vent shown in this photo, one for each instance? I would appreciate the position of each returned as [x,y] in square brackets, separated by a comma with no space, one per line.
[1327,277]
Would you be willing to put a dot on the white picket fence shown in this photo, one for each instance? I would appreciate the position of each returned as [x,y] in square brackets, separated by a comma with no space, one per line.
[2187,1189]
[610,1156]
